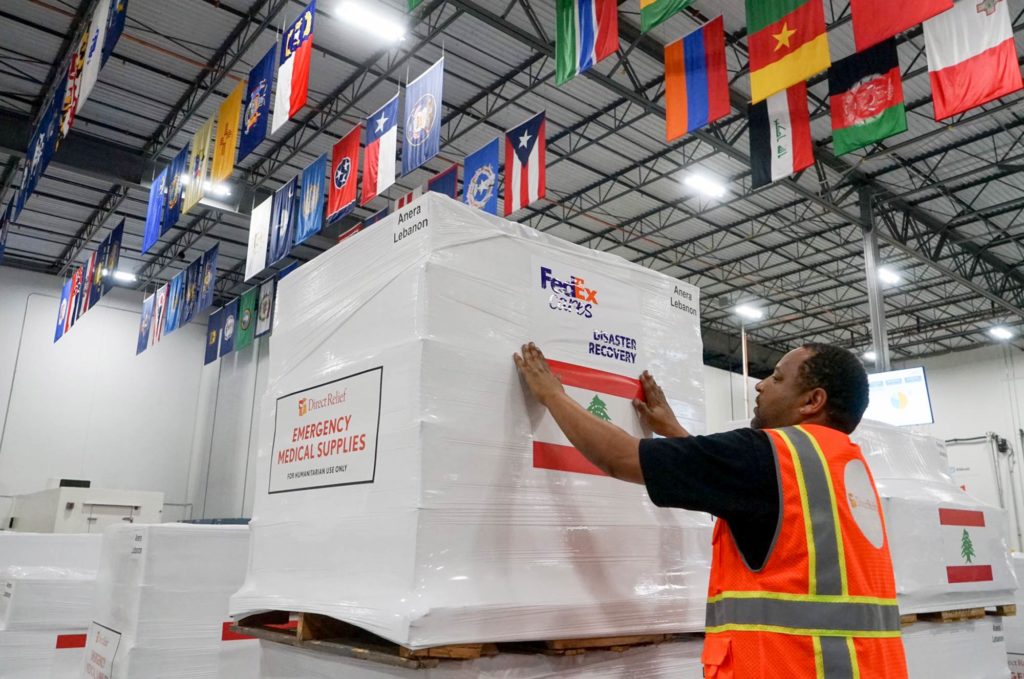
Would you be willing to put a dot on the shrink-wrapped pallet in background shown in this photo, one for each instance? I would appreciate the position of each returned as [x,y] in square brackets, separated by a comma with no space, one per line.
[1013,625]
[969,649]
[408,484]
[37,598]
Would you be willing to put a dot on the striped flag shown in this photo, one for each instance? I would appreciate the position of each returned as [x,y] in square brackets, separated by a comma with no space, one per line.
[605,395]
[866,96]
[587,31]
[293,71]
[408,198]
[965,542]
[780,136]
[525,180]
[381,145]
[788,44]
[62,311]
[696,82]
[446,182]
[653,12]
[878,20]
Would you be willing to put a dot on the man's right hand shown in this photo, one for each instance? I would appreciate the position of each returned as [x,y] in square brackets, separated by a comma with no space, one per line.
[656,414]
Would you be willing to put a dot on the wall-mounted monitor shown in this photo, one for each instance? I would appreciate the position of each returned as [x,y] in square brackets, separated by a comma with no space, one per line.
[900,397]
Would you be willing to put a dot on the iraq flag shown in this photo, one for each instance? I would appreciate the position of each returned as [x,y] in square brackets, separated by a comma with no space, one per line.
[866,94]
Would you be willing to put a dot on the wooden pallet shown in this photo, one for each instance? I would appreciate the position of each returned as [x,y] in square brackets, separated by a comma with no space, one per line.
[1002,611]
[954,615]
[325,634]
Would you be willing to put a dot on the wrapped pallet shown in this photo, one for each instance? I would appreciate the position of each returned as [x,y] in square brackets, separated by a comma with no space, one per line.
[1013,626]
[407,484]
[971,649]
[161,601]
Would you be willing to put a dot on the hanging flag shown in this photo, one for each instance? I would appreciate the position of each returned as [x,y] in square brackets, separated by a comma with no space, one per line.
[696,82]
[155,211]
[245,326]
[381,140]
[74,304]
[365,224]
[41,147]
[423,97]
[62,310]
[96,282]
[209,278]
[227,135]
[259,235]
[866,94]
[73,85]
[413,4]
[481,177]
[344,168]
[175,299]
[282,222]
[787,44]
[293,71]
[972,58]
[408,198]
[257,104]
[145,323]
[159,313]
[446,182]
[287,269]
[198,167]
[90,272]
[113,256]
[213,328]
[5,224]
[654,12]
[525,164]
[115,26]
[878,20]
[175,188]
[227,333]
[586,31]
[187,311]
[311,202]
[265,317]
[780,136]
[95,41]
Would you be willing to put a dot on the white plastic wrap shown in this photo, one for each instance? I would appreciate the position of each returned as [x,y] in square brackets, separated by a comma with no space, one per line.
[972,649]
[34,655]
[38,598]
[670,660]
[440,525]
[1013,625]
[50,550]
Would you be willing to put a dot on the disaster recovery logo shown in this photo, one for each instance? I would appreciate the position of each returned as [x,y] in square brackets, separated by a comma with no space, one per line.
[307,405]
[570,295]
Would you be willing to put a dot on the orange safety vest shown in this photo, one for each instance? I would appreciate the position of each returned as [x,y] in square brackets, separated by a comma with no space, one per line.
[823,605]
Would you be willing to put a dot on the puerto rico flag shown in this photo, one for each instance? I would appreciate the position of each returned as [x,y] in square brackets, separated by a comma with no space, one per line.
[605,395]
[525,164]
[965,540]
[587,31]
[293,71]
[341,196]
[381,145]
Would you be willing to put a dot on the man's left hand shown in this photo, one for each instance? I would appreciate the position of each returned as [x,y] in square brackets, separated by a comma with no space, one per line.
[537,373]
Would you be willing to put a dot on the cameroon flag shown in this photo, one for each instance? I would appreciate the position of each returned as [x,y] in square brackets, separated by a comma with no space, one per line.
[787,44]
[653,12]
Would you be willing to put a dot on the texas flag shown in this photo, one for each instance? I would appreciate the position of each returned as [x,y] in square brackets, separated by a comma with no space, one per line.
[381,145]
[293,71]
[525,164]
[965,540]
[605,395]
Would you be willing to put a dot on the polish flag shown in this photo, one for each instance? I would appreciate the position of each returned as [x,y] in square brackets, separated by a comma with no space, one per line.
[965,540]
[605,395]
[525,147]
[293,72]
[381,146]
[972,59]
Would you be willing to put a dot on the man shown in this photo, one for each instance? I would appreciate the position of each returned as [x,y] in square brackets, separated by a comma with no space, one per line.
[801,578]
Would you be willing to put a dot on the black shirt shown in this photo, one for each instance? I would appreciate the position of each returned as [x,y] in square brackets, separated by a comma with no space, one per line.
[731,475]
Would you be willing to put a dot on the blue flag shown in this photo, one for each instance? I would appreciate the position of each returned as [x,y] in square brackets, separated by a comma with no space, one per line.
[113,256]
[311,205]
[155,211]
[115,27]
[62,310]
[209,279]
[5,222]
[446,182]
[282,222]
[257,104]
[190,296]
[228,326]
[480,179]
[213,330]
[292,266]
[96,284]
[174,302]
[41,145]
[144,324]
[175,189]
[422,138]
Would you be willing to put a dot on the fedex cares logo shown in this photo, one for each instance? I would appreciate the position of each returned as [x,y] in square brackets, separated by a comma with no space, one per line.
[308,405]
[570,295]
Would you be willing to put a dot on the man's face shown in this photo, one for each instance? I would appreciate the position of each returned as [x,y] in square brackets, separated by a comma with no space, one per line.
[779,396]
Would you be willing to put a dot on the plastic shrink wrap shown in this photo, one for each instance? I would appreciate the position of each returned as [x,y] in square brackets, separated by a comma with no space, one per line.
[669,660]
[406,482]
[37,598]
[162,601]
[969,649]
[1013,625]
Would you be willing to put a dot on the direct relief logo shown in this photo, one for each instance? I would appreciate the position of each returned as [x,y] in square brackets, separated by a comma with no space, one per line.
[570,295]
[303,408]
[307,405]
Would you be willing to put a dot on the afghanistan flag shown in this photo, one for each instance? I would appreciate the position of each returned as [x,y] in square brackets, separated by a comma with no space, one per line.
[245,326]
[787,44]
[866,94]
[653,12]
[780,136]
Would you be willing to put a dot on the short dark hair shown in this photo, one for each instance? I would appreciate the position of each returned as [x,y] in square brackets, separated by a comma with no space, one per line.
[843,378]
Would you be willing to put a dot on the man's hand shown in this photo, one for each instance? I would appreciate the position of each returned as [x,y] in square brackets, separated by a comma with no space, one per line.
[538,376]
[656,413]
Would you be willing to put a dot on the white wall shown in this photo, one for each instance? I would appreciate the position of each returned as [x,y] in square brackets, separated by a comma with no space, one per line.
[87,407]
[723,398]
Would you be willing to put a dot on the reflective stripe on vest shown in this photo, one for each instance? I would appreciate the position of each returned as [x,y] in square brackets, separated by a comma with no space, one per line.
[825,617]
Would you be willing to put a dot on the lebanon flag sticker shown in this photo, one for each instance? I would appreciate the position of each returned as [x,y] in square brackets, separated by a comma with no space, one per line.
[605,395]
[963,535]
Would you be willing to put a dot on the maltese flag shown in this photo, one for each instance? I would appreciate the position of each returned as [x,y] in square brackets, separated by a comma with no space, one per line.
[381,146]
[293,73]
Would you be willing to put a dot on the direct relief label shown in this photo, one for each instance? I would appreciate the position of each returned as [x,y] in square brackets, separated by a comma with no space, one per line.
[100,649]
[327,435]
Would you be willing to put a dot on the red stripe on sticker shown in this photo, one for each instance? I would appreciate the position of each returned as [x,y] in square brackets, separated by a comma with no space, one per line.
[957,574]
[562,459]
[71,641]
[961,517]
[597,380]
[227,634]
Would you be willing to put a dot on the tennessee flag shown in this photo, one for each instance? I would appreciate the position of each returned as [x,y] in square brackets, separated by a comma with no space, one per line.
[525,180]
[341,195]
[787,44]
[293,73]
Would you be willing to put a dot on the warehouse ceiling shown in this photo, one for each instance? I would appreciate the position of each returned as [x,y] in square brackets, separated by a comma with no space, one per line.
[946,198]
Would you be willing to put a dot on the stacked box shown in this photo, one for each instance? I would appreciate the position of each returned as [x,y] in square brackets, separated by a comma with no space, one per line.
[969,649]
[407,483]
[37,598]
[162,599]
[1013,626]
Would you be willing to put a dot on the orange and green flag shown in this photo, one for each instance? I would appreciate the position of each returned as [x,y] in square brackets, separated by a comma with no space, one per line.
[653,12]
[787,43]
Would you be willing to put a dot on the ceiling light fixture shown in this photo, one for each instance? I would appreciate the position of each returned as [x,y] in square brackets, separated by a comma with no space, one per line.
[370,20]
[748,312]
[1001,333]
[220,189]
[702,184]
[870,356]
[125,276]
[888,276]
